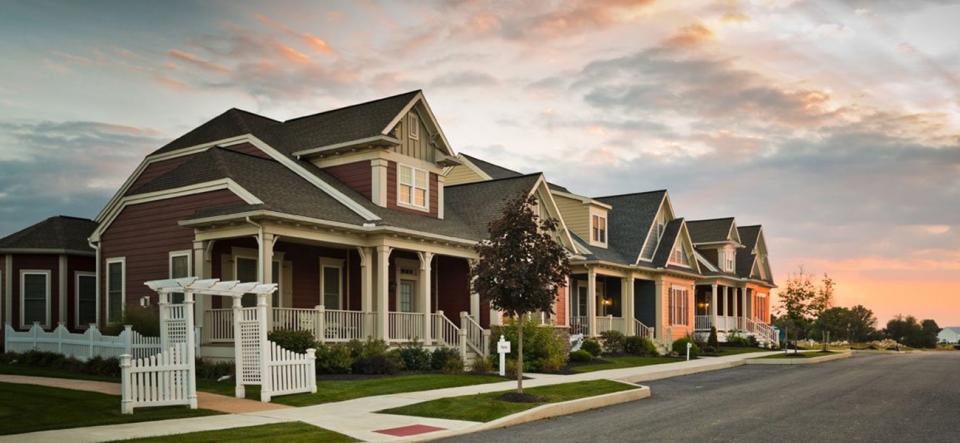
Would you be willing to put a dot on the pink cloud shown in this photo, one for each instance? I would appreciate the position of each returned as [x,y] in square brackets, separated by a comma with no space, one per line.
[197,61]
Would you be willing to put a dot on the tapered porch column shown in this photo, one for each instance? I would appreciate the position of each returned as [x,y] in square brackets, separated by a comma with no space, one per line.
[736,307]
[726,307]
[200,269]
[474,296]
[366,289]
[424,304]
[383,284]
[592,301]
[265,271]
[626,304]
[659,318]
[713,305]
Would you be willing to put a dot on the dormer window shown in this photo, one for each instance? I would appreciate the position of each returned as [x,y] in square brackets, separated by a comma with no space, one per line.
[412,187]
[729,258]
[414,129]
[599,229]
[678,256]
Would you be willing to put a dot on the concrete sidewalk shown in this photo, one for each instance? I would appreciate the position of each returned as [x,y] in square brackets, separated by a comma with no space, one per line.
[358,418]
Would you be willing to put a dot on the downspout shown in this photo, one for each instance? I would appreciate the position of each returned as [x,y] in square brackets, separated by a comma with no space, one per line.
[96,278]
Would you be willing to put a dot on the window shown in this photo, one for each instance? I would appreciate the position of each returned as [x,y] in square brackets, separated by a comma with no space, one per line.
[35,298]
[412,187]
[678,306]
[678,255]
[116,288]
[179,268]
[332,286]
[86,296]
[599,227]
[728,259]
[414,129]
[405,301]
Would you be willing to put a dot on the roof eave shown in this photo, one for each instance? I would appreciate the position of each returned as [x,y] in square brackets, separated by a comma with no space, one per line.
[377,141]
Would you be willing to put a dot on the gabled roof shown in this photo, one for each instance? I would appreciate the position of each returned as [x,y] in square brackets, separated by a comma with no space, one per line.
[232,123]
[479,203]
[710,231]
[667,242]
[60,233]
[954,329]
[629,221]
[746,258]
[492,170]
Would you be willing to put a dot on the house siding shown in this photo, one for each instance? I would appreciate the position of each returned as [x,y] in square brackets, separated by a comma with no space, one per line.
[452,277]
[145,234]
[76,264]
[460,175]
[358,176]
[575,214]
[392,196]
[156,169]
[41,262]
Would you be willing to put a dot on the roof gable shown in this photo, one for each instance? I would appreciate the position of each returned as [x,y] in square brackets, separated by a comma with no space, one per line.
[718,230]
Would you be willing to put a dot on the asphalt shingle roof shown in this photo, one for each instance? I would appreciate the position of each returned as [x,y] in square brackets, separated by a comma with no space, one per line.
[629,221]
[477,204]
[60,232]
[745,258]
[667,241]
[232,123]
[497,172]
[708,231]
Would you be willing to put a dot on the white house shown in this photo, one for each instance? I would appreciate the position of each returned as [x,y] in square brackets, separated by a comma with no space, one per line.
[949,335]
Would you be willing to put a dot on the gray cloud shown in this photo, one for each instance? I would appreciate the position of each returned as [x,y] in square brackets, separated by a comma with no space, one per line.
[463,79]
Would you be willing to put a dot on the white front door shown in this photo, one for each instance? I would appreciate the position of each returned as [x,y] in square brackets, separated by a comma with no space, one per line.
[405,297]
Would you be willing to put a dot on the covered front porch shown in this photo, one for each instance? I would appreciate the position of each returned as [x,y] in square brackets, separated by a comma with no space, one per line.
[733,308]
[608,300]
[342,286]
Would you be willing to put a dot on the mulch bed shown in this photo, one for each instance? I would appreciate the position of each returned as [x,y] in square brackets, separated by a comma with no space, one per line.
[514,397]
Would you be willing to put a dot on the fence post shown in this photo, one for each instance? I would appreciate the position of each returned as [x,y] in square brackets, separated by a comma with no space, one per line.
[126,403]
[438,328]
[464,324]
[128,339]
[319,326]
[7,333]
[312,372]
[91,331]
[238,354]
[189,343]
[197,330]
[266,380]
[485,343]
[60,329]
[36,333]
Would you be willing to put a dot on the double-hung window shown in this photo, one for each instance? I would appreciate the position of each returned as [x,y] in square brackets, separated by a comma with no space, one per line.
[599,228]
[86,289]
[678,306]
[412,186]
[35,298]
[179,268]
[728,255]
[116,282]
[331,283]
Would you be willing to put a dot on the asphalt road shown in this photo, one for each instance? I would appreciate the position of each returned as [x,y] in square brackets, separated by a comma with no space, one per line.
[870,398]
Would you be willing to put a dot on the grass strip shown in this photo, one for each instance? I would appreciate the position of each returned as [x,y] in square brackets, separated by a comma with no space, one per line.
[486,407]
[342,390]
[29,408]
[626,362]
[292,432]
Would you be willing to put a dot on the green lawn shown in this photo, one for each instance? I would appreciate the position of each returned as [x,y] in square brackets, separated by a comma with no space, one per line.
[28,408]
[724,351]
[340,390]
[626,362]
[292,432]
[35,371]
[485,407]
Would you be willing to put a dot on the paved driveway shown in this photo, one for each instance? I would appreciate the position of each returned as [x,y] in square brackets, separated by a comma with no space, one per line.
[909,397]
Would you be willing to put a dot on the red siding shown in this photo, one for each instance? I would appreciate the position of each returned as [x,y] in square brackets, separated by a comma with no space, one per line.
[156,169]
[41,262]
[357,175]
[145,234]
[392,193]
[250,149]
[76,264]
[453,286]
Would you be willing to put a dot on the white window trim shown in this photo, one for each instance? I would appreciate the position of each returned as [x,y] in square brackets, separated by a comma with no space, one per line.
[683,251]
[337,263]
[123,284]
[413,189]
[413,123]
[682,316]
[186,252]
[729,259]
[23,273]
[594,218]
[401,263]
[76,301]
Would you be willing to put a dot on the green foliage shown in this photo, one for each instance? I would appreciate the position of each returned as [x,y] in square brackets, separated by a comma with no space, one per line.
[145,321]
[613,341]
[293,340]
[553,363]
[580,356]
[592,346]
[375,364]
[415,357]
[481,366]
[334,359]
[106,367]
[712,341]
[856,324]
[802,301]
[209,370]
[908,331]
[539,343]
[734,339]
[642,346]
[442,356]
[680,347]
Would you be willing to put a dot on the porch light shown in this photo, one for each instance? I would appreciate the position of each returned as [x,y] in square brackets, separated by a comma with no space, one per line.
[607,302]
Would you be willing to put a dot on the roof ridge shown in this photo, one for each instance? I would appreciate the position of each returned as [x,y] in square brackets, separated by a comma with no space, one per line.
[70,217]
[629,194]
[493,180]
[352,106]
[254,114]
[714,219]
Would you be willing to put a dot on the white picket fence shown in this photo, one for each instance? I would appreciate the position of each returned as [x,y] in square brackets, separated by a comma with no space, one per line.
[288,372]
[165,379]
[82,346]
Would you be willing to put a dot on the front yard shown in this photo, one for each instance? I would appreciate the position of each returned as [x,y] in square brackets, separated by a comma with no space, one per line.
[630,361]
[293,432]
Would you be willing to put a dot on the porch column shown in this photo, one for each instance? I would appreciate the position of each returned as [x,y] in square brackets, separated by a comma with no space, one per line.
[200,268]
[266,270]
[726,307]
[424,304]
[383,284]
[366,290]
[592,301]
[736,308]
[626,305]
[743,305]
[658,329]
[713,305]
[474,296]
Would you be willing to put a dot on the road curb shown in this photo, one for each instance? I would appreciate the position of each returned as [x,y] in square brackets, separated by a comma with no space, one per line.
[546,411]
[798,361]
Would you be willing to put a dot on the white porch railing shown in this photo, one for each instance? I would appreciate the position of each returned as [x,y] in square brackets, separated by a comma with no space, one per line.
[642,330]
[609,323]
[405,326]
[580,325]
[341,325]
[82,346]
[767,332]
[444,331]
[299,320]
[702,322]
[218,326]
[474,337]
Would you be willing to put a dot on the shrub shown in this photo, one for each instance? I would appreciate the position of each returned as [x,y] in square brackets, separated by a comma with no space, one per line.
[107,367]
[441,355]
[638,345]
[145,321]
[613,341]
[553,363]
[592,346]
[680,347]
[334,359]
[214,370]
[373,347]
[713,341]
[738,341]
[580,356]
[453,364]
[415,357]
[752,341]
[293,340]
[481,366]
[375,364]
[709,350]
[539,343]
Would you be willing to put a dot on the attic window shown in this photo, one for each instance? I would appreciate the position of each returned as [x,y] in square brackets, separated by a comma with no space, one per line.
[728,259]
[678,256]
[414,128]
[599,228]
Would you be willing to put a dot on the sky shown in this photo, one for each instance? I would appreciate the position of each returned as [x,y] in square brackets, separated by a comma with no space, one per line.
[834,124]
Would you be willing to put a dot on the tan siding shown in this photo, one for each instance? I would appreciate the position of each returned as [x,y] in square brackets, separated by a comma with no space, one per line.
[419,148]
[461,174]
[575,214]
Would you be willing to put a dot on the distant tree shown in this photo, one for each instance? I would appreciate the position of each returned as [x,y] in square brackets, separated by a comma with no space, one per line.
[836,322]
[863,324]
[802,301]
[909,331]
[929,331]
[521,265]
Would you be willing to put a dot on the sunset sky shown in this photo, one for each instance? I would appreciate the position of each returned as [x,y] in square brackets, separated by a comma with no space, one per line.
[834,124]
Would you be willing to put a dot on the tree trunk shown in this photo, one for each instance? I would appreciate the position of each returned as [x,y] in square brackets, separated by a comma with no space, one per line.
[520,355]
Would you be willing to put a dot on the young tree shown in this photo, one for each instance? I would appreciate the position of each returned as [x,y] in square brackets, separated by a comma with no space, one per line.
[802,301]
[521,266]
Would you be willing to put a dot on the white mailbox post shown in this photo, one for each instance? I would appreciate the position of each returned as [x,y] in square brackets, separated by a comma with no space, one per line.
[503,348]
[689,345]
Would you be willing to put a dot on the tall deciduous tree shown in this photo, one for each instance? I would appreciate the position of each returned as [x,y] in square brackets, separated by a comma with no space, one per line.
[802,301]
[521,266]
